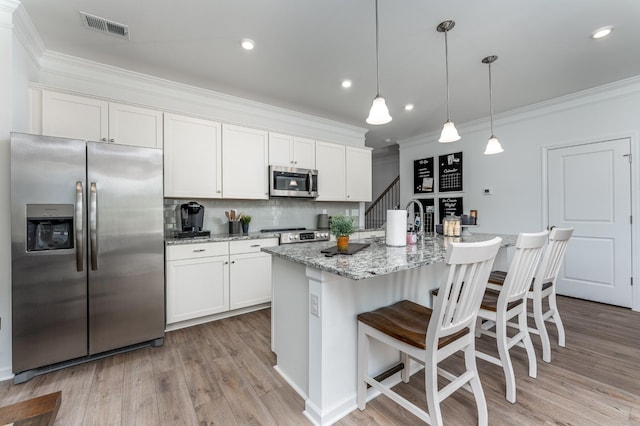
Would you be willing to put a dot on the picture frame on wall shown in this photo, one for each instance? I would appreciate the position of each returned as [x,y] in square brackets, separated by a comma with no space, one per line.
[450,172]
[423,176]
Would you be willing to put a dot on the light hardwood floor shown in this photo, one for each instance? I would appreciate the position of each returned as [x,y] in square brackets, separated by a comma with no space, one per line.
[222,373]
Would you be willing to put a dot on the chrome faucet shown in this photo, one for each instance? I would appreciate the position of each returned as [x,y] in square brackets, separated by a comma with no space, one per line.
[421,212]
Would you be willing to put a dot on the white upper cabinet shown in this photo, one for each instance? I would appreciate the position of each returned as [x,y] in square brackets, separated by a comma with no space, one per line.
[331,162]
[192,157]
[132,125]
[358,174]
[344,172]
[245,159]
[78,117]
[292,151]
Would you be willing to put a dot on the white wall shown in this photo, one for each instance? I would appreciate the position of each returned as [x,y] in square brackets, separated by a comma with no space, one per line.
[516,175]
[385,170]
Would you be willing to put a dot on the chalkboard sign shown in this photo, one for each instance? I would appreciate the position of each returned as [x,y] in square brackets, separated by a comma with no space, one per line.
[450,172]
[423,176]
[450,206]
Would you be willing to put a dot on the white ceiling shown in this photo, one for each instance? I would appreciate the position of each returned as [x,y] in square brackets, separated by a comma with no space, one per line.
[305,48]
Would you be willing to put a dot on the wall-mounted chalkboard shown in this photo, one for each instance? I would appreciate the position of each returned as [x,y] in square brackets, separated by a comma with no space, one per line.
[449,206]
[450,172]
[423,176]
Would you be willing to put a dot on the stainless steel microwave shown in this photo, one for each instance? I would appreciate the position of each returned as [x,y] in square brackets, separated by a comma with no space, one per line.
[293,182]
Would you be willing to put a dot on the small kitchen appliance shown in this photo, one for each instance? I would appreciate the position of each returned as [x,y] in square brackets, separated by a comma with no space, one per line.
[191,218]
[293,182]
[299,235]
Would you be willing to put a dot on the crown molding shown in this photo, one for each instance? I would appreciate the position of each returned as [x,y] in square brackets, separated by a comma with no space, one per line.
[617,89]
[272,117]
[9,5]
[27,34]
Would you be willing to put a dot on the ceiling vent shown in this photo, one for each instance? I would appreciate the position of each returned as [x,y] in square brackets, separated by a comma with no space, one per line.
[104,25]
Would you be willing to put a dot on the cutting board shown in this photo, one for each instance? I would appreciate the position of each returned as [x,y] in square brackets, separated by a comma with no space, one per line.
[351,249]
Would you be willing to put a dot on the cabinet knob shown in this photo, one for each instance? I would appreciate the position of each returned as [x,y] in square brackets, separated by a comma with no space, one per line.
[226,263]
[112,140]
[103,139]
[233,261]
[218,191]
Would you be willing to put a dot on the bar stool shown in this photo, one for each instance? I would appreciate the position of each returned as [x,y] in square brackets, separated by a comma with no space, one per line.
[430,336]
[498,307]
[544,286]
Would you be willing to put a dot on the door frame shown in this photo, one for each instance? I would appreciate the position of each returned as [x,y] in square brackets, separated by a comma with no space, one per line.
[635,200]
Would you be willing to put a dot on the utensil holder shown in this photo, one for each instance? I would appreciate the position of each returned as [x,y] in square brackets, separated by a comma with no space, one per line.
[235,228]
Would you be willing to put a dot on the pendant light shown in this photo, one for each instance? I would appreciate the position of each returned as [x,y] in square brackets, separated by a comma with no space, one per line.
[379,113]
[449,131]
[493,145]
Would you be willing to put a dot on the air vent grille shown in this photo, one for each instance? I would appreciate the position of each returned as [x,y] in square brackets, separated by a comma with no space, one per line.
[104,25]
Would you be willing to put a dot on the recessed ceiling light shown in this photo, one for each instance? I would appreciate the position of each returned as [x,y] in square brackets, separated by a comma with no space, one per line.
[408,107]
[346,83]
[247,44]
[601,32]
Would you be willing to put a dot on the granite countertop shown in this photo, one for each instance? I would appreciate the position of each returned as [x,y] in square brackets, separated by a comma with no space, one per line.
[170,241]
[378,258]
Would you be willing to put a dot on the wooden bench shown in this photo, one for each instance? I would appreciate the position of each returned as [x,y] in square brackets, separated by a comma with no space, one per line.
[40,411]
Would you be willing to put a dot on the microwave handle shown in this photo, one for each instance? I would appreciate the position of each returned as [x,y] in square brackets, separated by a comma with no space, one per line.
[310,177]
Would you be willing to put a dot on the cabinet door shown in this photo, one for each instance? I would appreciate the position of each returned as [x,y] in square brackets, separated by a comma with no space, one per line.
[132,125]
[192,157]
[358,174]
[76,117]
[197,287]
[245,155]
[280,149]
[304,153]
[250,282]
[330,162]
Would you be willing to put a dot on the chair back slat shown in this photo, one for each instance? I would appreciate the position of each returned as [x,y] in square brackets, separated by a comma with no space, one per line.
[553,256]
[458,301]
[529,248]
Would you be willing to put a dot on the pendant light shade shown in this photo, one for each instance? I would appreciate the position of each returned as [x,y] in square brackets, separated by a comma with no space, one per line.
[493,145]
[449,131]
[379,113]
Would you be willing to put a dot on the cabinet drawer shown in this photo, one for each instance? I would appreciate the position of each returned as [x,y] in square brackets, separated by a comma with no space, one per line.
[196,250]
[251,246]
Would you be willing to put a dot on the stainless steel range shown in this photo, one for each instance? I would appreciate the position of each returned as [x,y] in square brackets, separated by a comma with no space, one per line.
[299,235]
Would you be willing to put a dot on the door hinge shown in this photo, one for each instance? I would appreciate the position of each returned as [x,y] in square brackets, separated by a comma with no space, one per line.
[628,156]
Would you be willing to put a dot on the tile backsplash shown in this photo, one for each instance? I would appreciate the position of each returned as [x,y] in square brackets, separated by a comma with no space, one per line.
[274,213]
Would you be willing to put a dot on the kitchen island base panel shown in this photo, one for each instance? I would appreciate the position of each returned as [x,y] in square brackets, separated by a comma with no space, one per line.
[319,353]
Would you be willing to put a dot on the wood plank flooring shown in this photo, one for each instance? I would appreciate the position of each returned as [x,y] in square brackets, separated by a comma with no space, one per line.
[221,373]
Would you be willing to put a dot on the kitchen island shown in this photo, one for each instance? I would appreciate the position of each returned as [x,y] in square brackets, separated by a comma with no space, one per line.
[316,300]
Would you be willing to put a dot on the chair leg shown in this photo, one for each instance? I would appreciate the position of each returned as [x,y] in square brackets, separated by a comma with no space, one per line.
[505,359]
[476,385]
[542,329]
[363,367]
[526,340]
[431,389]
[556,319]
[406,370]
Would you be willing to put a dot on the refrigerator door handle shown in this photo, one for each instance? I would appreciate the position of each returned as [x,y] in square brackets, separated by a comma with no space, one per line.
[78,221]
[93,225]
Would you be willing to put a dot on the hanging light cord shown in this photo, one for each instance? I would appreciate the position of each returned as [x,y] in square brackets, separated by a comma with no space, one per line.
[377,60]
[491,100]
[446,62]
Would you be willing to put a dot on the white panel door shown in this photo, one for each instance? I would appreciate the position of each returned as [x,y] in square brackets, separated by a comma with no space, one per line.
[76,117]
[358,174]
[589,189]
[192,157]
[250,280]
[330,162]
[245,163]
[132,125]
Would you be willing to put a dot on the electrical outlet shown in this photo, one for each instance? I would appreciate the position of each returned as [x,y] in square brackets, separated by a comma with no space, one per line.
[314,303]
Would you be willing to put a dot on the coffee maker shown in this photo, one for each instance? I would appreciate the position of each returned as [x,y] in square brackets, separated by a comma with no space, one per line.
[191,217]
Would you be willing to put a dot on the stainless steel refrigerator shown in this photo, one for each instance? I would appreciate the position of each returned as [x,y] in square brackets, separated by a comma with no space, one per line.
[87,250]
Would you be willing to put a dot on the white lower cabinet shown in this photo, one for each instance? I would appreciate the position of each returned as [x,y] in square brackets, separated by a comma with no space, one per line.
[205,279]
